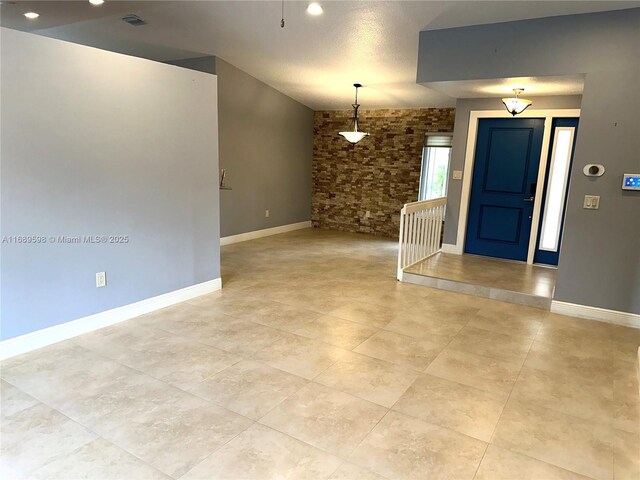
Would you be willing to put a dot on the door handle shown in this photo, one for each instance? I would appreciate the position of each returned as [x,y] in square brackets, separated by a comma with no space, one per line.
[530,199]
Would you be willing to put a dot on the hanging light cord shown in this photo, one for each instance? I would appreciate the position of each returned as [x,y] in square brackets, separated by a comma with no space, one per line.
[355,109]
[282,20]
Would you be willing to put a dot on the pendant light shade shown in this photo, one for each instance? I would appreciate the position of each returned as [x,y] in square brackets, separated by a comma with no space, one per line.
[355,136]
[516,105]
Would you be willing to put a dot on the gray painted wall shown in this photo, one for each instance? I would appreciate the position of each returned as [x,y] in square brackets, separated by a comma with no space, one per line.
[464,106]
[600,256]
[545,46]
[97,143]
[266,149]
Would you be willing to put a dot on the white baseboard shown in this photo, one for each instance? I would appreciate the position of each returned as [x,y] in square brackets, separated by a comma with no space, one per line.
[243,237]
[451,248]
[596,313]
[57,333]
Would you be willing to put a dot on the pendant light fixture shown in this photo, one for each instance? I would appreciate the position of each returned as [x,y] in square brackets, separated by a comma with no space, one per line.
[515,105]
[355,136]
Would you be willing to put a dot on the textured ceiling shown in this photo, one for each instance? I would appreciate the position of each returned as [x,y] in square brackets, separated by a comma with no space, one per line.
[315,60]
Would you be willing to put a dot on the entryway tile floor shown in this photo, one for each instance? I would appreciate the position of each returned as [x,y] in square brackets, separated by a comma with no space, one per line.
[314,362]
[506,280]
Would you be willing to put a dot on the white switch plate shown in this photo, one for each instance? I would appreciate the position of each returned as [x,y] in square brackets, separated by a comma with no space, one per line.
[101,279]
[457,174]
[591,202]
[266,214]
[367,214]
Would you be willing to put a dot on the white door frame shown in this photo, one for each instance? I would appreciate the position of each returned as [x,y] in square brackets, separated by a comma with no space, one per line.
[469,159]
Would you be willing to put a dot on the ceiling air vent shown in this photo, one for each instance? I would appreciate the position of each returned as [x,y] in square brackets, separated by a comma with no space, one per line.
[134,20]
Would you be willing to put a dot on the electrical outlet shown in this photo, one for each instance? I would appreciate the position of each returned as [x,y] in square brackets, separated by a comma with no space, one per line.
[367,214]
[591,202]
[266,214]
[101,279]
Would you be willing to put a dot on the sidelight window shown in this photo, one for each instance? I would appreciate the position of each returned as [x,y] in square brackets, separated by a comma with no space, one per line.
[556,188]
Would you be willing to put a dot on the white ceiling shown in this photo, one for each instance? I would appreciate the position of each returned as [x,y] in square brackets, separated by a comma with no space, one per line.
[314,60]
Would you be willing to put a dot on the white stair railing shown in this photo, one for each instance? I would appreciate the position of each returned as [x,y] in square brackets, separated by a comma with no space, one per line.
[420,231]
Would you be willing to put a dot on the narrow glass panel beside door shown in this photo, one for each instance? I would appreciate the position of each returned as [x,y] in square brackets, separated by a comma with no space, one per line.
[556,188]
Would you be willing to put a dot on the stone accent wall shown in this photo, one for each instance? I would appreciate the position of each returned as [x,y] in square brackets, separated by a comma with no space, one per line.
[379,174]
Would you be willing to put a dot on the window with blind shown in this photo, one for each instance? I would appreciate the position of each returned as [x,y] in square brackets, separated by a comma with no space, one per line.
[436,155]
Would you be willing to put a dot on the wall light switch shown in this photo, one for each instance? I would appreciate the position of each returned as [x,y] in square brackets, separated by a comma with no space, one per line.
[101,279]
[591,202]
[367,214]
[266,214]
[457,174]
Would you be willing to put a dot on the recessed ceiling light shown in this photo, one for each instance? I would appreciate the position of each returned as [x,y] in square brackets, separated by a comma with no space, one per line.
[314,9]
[32,15]
[96,2]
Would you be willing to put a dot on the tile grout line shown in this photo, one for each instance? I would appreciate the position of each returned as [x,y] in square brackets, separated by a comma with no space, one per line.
[512,388]
[539,406]
[89,429]
[81,423]
[490,442]
[219,448]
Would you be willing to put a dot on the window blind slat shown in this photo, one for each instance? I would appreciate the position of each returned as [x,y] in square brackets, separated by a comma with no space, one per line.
[438,140]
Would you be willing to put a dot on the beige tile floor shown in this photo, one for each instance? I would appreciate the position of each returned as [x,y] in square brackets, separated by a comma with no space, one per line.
[315,363]
[489,272]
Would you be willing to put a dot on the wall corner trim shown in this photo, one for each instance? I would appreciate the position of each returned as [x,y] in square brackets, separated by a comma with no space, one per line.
[596,313]
[451,248]
[243,237]
[57,333]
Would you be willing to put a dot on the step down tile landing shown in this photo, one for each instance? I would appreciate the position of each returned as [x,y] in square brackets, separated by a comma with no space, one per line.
[504,280]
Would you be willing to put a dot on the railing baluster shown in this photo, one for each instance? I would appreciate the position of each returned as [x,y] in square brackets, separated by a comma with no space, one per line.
[400,245]
[436,228]
[425,228]
[409,239]
[414,240]
[431,230]
[439,231]
[419,236]
[425,243]
[406,241]
[434,221]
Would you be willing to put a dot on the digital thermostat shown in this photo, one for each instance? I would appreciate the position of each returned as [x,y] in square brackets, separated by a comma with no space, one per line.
[631,181]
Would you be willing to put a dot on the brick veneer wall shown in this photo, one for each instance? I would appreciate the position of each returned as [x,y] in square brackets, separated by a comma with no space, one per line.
[379,174]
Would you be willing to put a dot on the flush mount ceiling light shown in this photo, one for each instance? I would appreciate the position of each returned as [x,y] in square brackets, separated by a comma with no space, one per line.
[32,15]
[96,2]
[515,105]
[314,9]
[355,136]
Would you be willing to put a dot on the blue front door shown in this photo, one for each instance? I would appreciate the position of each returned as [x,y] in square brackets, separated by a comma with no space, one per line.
[503,188]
